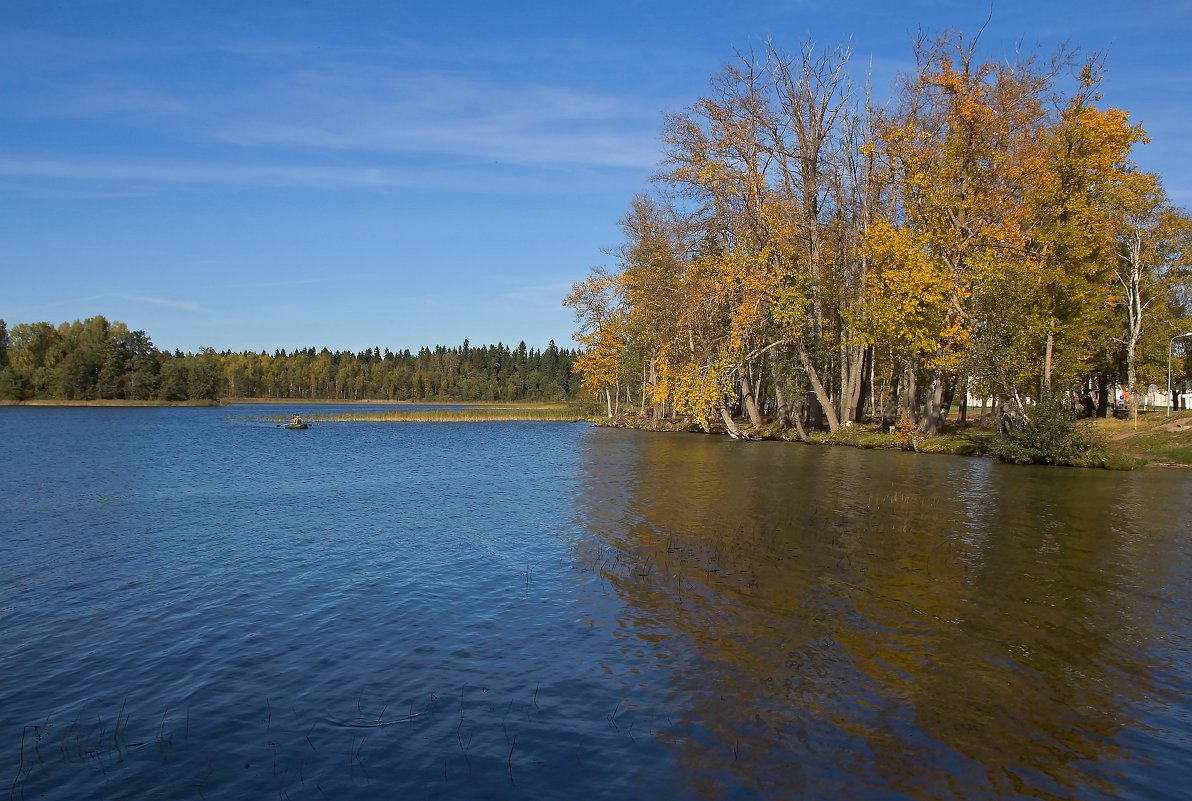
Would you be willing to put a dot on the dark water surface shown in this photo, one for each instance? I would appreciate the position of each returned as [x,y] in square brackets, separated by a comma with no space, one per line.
[196,604]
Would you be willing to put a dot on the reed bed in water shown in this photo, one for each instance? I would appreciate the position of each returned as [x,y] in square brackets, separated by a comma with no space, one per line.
[477,414]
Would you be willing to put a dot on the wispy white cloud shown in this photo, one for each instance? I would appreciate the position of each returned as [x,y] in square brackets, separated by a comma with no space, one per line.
[297,282]
[547,295]
[32,51]
[97,97]
[405,101]
[35,310]
[125,172]
[169,303]
[442,112]
[34,188]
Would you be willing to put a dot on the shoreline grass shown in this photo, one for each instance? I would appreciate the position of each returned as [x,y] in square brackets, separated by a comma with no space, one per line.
[1155,437]
[1154,440]
[251,401]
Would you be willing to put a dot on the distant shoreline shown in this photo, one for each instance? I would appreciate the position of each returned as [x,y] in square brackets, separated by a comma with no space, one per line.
[107,402]
[1160,440]
[116,402]
[366,402]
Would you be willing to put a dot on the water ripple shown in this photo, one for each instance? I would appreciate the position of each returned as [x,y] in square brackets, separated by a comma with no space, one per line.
[196,605]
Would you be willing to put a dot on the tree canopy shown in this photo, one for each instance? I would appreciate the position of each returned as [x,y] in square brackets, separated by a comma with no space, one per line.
[97,359]
[987,231]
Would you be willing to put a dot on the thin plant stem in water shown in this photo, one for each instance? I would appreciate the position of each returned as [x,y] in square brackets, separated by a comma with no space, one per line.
[509,761]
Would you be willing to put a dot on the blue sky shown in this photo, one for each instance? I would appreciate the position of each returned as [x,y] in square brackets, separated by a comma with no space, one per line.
[262,175]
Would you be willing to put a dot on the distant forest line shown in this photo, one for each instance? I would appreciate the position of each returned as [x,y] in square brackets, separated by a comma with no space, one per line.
[98,359]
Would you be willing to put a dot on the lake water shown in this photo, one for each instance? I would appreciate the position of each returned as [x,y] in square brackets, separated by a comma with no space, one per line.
[197,604]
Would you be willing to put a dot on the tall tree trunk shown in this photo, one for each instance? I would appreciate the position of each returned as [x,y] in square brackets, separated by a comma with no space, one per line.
[1046,385]
[645,380]
[864,383]
[873,386]
[747,398]
[797,417]
[1132,369]
[911,389]
[1011,409]
[761,389]
[782,408]
[659,408]
[1131,377]
[853,362]
[1135,308]
[893,396]
[934,412]
[817,387]
[950,383]
[729,425]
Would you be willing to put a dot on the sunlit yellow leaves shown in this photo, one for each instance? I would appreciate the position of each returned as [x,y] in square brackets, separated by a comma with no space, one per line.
[602,333]
[972,230]
[907,291]
[1076,174]
[697,389]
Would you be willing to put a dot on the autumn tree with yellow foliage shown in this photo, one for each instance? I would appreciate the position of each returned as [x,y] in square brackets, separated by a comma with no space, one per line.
[987,229]
[1074,180]
[600,310]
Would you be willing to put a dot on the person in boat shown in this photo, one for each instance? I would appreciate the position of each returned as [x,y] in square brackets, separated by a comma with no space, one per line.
[296,419]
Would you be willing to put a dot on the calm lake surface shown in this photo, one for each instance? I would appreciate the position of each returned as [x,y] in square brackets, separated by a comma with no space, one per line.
[197,604]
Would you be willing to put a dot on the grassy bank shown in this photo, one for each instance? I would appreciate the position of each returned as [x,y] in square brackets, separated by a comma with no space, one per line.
[325,402]
[1154,439]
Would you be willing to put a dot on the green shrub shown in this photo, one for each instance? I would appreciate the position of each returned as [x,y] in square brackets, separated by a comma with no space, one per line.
[1050,436]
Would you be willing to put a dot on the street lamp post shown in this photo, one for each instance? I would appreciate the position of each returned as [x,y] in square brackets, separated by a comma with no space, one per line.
[1169,344]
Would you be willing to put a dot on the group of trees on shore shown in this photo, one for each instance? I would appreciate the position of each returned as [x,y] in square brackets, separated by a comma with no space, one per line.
[811,258]
[97,359]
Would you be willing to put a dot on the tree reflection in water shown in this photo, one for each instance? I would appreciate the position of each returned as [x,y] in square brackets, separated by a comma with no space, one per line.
[837,623]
